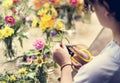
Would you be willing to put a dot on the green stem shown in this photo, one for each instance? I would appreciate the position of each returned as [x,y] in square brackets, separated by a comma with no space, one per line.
[8,44]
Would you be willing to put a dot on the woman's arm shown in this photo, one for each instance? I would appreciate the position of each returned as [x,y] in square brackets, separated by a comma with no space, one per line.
[66,74]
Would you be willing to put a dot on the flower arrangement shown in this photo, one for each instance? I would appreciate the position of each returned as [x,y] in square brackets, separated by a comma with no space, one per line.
[35,63]
[39,3]
[69,9]
[49,23]
[13,23]
[39,59]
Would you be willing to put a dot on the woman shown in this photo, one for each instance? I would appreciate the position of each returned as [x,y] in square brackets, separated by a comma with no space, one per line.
[104,68]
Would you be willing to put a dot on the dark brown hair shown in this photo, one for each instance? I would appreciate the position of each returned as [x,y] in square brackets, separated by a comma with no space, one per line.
[114,6]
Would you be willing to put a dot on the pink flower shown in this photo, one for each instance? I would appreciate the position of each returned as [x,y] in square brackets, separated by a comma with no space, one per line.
[29,60]
[39,44]
[10,20]
[74,2]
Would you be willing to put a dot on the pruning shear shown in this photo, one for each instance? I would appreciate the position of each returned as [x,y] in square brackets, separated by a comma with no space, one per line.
[72,52]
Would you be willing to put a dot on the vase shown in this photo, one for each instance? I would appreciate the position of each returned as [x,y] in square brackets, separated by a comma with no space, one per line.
[50,66]
[70,28]
[41,74]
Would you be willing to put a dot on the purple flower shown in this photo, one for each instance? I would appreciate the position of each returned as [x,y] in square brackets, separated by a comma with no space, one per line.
[33,57]
[10,20]
[39,44]
[44,56]
[53,33]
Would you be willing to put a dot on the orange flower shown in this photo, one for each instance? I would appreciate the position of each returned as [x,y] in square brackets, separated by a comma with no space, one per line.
[52,22]
[55,2]
[39,3]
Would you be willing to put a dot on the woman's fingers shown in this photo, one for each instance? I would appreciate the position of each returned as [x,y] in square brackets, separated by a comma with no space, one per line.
[79,59]
[76,65]
[81,53]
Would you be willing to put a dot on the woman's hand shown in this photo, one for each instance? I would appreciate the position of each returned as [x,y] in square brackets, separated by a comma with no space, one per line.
[78,62]
[61,55]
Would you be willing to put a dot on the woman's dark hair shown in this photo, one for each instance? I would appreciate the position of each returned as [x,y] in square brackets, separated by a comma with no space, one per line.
[114,6]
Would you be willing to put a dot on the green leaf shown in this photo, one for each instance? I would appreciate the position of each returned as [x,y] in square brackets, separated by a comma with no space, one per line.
[55,65]
[24,36]
[20,41]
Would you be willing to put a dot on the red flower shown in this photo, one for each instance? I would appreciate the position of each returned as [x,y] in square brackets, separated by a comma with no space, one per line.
[10,20]
[74,2]
[15,1]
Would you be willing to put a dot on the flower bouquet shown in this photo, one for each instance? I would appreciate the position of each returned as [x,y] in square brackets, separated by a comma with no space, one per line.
[39,60]
[13,23]
[35,63]
[68,10]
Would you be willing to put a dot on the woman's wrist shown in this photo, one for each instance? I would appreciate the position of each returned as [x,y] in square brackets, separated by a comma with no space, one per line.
[66,65]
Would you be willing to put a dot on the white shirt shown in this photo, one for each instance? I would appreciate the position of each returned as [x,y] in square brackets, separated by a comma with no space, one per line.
[104,68]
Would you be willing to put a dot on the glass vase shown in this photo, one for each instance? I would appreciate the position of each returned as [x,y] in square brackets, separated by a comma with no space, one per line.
[41,74]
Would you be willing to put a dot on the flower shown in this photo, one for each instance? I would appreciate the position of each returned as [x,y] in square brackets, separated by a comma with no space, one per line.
[22,71]
[39,3]
[29,60]
[60,25]
[13,23]
[10,20]
[71,10]
[3,82]
[39,44]
[55,2]
[73,2]
[39,61]
[53,33]
[7,31]
[12,78]
[15,1]
[7,3]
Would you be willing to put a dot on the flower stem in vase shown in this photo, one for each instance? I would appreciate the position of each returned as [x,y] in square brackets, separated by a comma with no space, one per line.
[70,25]
[8,43]
[41,74]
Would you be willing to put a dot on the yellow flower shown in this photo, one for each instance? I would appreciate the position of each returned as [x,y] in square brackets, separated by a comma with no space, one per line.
[35,21]
[43,25]
[42,11]
[47,9]
[46,6]
[47,24]
[3,82]
[1,34]
[12,78]
[60,25]
[22,71]
[39,61]
[46,17]
[45,60]
[7,3]
[7,31]
[54,11]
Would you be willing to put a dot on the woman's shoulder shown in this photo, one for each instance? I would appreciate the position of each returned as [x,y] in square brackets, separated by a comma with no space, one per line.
[102,67]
